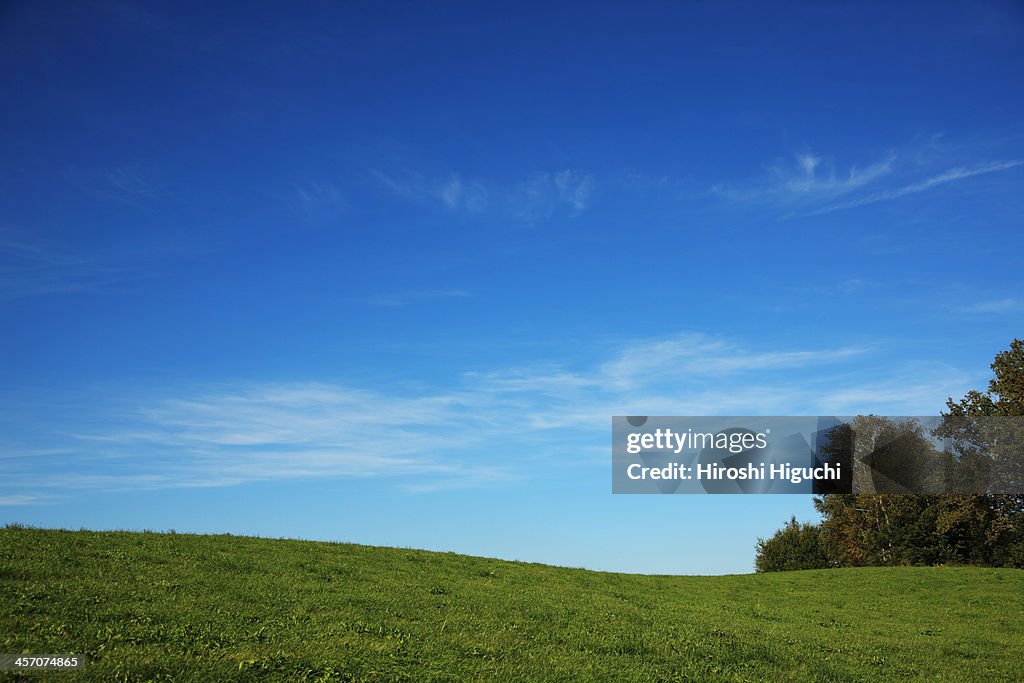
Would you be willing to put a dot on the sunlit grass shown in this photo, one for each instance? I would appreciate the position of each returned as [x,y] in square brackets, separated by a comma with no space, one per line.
[149,606]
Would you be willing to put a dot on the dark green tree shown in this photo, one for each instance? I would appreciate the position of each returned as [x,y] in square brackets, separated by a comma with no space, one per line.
[794,546]
[988,529]
[885,526]
[891,528]
[881,530]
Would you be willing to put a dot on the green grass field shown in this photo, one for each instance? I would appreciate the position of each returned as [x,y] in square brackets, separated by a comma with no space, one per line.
[153,606]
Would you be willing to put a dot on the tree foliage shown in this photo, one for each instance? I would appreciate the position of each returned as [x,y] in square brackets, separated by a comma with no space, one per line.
[892,528]
[794,546]
[896,529]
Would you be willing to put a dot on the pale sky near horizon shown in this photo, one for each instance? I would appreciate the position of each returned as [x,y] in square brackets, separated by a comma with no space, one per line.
[383,272]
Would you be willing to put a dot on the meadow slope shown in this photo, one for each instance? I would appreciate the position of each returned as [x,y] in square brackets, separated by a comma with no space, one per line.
[155,606]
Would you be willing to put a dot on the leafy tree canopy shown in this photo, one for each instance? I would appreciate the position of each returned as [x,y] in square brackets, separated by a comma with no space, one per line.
[901,529]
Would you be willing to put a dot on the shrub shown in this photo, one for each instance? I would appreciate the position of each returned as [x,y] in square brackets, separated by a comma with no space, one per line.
[794,546]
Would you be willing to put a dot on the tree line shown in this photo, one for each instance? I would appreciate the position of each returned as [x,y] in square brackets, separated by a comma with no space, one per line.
[972,526]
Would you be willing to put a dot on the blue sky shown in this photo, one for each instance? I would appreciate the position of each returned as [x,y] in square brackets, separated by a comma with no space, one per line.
[382,272]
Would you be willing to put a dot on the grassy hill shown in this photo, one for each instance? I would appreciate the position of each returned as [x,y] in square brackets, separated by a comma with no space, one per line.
[150,606]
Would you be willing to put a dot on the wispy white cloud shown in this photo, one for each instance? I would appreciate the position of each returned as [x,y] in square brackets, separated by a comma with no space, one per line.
[128,181]
[472,479]
[470,196]
[809,181]
[808,162]
[949,176]
[37,268]
[453,192]
[703,356]
[544,194]
[810,184]
[411,186]
[20,499]
[482,429]
[125,184]
[262,432]
[314,198]
[536,198]
[914,389]
[807,177]
[996,306]
[687,374]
